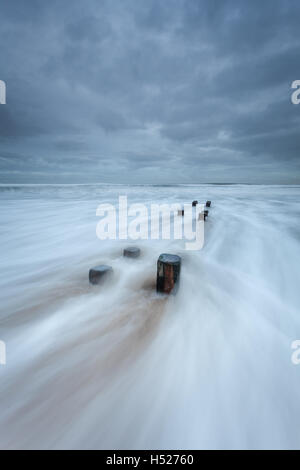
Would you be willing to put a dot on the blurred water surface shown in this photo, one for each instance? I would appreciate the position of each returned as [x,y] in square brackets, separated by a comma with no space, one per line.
[118,366]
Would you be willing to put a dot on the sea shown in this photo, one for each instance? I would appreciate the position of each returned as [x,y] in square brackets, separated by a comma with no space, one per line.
[118,366]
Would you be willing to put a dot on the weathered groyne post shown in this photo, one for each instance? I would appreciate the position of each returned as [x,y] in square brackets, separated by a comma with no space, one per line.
[99,274]
[203,215]
[132,252]
[168,273]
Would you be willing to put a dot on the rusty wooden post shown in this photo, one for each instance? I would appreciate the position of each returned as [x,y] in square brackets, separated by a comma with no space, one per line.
[168,273]
[131,252]
[98,274]
[203,215]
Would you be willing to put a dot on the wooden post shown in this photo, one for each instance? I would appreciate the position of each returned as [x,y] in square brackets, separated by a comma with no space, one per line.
[208,203]
[203,215]
[131,252]
[98,274]
[168,273]
[194,203]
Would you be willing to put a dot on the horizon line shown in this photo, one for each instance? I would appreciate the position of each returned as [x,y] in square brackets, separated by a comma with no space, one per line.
[148,184]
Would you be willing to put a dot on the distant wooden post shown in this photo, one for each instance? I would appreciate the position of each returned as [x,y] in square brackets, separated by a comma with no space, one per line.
[194,203]
[98,274]
[203,215]
[208,203]
[168,273]
[132,252]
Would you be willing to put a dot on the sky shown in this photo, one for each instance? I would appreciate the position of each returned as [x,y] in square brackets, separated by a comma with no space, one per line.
[149,91]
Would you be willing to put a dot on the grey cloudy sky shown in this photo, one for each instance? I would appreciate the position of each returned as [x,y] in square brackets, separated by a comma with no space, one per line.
[149,91]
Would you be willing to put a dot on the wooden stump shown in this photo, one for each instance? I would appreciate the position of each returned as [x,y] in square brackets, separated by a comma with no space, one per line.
[168,273]
[194,203]
[132,252]
[208,203]
[203,215]
[99,274]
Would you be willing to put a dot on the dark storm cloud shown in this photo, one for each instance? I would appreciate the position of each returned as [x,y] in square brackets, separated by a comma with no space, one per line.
[151,91]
